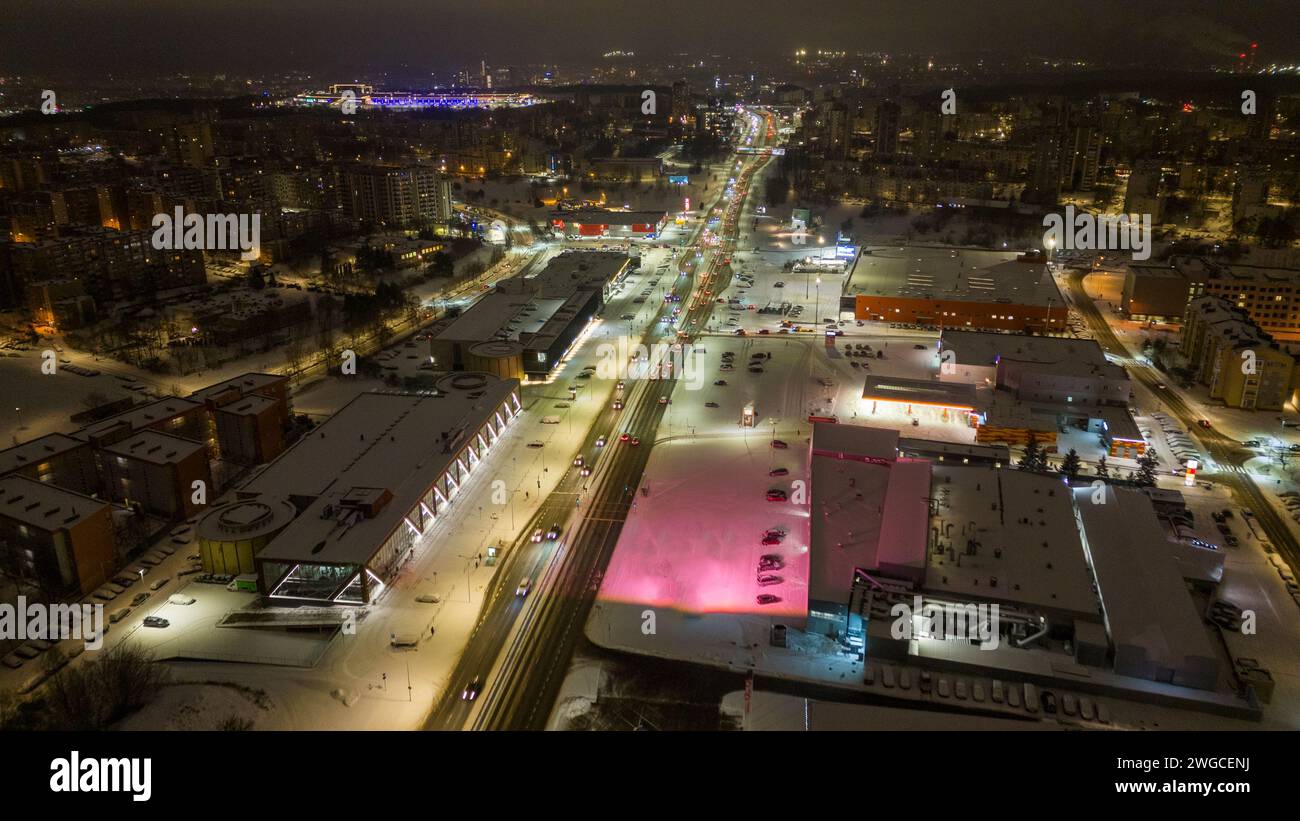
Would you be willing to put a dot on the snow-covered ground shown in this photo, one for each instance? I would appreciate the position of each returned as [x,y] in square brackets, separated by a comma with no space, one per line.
[360,680]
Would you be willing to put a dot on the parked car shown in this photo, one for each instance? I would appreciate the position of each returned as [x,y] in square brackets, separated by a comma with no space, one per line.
[777,495]
[779,444]
[778,472]
[180,598]
[156,621]
[767,598]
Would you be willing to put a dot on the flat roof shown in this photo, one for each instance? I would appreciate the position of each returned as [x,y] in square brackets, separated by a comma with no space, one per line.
[1028,519]
[245,383]
[868,512]
[597,216]
[36,451]
[1063,354]
[380,441]
[538,307]
[250,405]
[854,440]
[1149,613]
[969,275]
[933,447]
[141,416]
[43,505]
[919,392]
[155,447]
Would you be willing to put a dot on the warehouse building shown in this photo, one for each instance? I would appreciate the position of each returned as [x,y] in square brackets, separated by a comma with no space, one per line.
[1035,386]
[867,522]
[526,325]
[954,288]
[335,516]
[1154,629]
[1079,585]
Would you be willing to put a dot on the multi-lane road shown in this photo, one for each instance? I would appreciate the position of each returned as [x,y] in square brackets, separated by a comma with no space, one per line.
[1228,454]
[519,652]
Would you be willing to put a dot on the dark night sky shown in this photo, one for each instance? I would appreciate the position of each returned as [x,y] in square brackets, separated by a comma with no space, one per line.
[155,35]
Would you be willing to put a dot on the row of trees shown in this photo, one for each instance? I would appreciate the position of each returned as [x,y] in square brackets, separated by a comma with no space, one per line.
[1035,460]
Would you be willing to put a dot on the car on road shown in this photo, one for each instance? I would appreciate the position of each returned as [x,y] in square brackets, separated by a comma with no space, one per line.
[537,535]
[156,621]
[625,437]
[663,400]
[584,471]
[140,599]
[600,441]
[471,690]
[534,444]
[711,405]
[553,532]
[778,284]
[635,441]
[525,585]
[618,404]
[720,383]
[767,598]
[1205,423]
[578,460]
[777,495]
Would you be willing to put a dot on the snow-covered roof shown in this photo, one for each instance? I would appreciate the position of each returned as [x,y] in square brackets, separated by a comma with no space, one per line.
[868,509]
[394,442]
[1027,547]
[42,505]
[1153,624]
